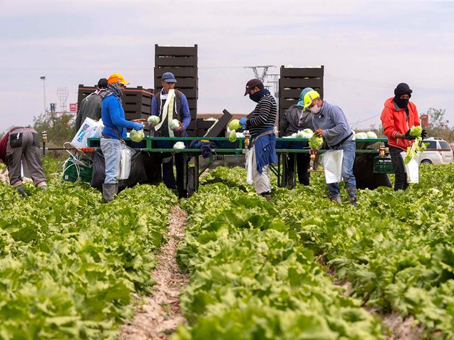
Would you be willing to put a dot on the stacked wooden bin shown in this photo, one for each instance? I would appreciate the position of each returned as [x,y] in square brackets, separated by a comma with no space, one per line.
[293,80]
[136,101]
[182,62]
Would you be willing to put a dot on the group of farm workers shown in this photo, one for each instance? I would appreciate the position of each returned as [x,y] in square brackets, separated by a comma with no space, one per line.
[325,119]
[328,121]
[115,128]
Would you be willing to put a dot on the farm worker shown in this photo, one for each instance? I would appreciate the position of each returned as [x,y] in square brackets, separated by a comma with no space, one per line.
[22,143]
[330,123]
[398,116]
[293,120]
[90,106]
[182,114]
[263,139]
[114,133]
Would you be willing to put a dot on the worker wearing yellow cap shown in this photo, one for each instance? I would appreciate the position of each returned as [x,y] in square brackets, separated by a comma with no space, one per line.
[330,123]
[114,133]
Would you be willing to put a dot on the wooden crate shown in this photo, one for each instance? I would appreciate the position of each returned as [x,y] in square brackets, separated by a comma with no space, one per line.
[137,107]
[189,93]
[136,101]
[175,51]
[293,80]
[178,72]
[204,124]
[302,72]
[192,125]
[182,62]
[130,115]
[182,84]
[175,61]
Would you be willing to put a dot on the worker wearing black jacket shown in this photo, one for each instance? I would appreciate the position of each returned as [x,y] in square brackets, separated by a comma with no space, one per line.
[292,121]
[90,106]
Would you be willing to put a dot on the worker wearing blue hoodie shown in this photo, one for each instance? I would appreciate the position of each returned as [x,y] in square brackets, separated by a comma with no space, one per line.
[114,133]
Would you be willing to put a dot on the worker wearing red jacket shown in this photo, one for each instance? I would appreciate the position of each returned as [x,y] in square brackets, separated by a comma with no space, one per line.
[398,117]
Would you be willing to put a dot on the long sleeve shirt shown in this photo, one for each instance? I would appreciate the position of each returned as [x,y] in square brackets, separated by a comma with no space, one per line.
[295,119]
[89,107]
[264,115]
[182,108]
[113,116]
[331,119]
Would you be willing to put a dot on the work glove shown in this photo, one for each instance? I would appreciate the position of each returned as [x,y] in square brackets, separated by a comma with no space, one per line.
[138,126]
[423,134]
[243,122]
[408,136]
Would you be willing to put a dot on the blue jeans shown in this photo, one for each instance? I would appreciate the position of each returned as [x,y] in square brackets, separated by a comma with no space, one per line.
[111,149]
[348,159]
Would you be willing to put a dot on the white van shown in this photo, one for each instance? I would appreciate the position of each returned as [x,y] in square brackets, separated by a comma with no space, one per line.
[438,152]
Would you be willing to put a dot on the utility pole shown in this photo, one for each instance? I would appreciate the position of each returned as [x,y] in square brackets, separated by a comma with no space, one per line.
[275,82]
[263,74]
[43,78]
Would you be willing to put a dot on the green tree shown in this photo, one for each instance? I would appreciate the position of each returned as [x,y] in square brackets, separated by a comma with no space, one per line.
[436,118]
[59,128]
[438,125]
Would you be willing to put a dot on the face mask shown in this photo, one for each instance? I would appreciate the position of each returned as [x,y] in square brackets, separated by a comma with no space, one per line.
[256,96]
[315,109]
[401,103]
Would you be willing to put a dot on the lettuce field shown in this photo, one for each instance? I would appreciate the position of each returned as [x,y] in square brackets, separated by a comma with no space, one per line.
[300,267]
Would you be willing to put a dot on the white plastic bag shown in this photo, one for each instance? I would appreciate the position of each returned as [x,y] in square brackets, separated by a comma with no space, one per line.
[249,179]
[125,162]
[412,168]
[89,129]
[332,163]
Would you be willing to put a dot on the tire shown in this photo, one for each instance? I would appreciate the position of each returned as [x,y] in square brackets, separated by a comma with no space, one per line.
[426,161]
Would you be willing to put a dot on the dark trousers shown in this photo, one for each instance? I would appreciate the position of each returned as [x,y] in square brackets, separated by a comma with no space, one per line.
[168,175]
[398,168]
[302,165]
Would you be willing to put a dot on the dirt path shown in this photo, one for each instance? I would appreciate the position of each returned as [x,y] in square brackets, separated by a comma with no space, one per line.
[160,314]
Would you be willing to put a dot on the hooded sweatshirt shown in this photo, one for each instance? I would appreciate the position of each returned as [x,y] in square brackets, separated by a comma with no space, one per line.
[331,119]
[395,120]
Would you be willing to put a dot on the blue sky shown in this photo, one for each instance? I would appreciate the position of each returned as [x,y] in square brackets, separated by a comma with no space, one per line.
[367,47]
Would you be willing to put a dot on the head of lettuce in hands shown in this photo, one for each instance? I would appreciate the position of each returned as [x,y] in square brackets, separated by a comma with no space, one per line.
[315,142]
[174,124]
[234,125]
[416,131]
[153,120]
[137,136]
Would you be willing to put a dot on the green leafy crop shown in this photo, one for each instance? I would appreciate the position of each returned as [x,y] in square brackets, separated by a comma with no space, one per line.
[68,264]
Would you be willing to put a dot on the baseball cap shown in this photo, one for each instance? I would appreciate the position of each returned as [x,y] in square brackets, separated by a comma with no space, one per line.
[117,78]
[251,84]
[168,77]
[309,97]
[302,94]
